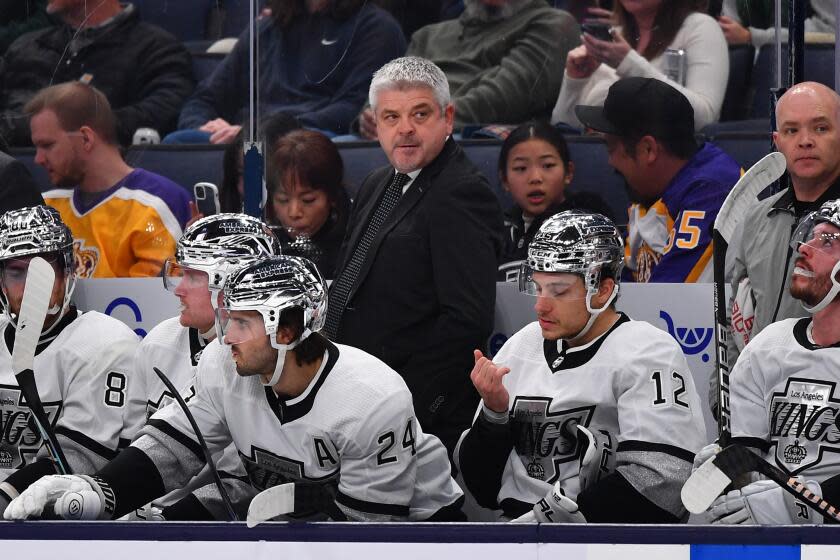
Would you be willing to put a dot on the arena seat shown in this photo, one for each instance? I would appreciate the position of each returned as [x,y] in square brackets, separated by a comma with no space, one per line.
[188,164]
[186,20]
[745,147]
[736,99]
[819,67]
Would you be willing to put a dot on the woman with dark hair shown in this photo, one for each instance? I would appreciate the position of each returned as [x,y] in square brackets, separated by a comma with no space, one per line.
[535,168]
[307,203]
[232,192]
[671,40]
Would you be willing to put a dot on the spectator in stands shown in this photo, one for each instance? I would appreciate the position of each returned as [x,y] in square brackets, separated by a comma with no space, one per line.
[753,21]
[414,15]
[18,17]
[17,188]
[232,191]
[760,259]
[125,221]
[316,59]
[499,57]
[645,43]
[535,168]
[415,280]
[144,71]
[307,199]
[679,186]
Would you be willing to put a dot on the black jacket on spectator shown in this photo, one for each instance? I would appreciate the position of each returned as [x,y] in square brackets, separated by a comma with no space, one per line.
[425,296]
[322,249]
[517,238]
[144,71]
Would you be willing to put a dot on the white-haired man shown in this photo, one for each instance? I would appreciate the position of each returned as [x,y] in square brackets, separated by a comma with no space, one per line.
[415,280]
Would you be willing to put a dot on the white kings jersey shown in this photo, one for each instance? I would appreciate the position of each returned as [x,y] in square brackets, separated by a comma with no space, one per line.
[353,427]
[785,400]
[632,382]
[175,350]
[84,370]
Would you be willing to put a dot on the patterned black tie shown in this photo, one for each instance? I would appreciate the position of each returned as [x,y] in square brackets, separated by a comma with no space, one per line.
[344,283]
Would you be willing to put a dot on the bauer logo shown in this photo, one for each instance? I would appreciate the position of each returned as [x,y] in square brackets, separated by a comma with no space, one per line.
[692,340]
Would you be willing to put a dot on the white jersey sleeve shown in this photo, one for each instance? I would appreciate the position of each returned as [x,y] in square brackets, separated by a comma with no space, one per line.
[379,463]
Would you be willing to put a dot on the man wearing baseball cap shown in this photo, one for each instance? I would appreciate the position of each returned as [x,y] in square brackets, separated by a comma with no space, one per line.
[677,185]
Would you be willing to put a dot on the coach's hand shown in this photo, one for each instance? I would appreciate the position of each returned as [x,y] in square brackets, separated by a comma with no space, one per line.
[487,378]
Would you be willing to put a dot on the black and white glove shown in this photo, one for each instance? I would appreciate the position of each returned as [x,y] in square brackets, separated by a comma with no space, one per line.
[763,503]
[598,457]
[554,508]
[70,497]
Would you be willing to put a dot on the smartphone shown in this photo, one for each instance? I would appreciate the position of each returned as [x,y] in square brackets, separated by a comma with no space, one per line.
[597,29]
[206,198]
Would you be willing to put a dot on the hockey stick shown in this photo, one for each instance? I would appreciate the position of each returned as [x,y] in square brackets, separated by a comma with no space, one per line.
[40,278]
[292,497]
[740,199]
[207,457]
[711,479]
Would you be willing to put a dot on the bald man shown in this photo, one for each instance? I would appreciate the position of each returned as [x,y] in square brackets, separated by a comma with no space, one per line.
[760,258]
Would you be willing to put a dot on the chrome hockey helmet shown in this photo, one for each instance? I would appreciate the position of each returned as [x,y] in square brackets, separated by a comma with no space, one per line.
[270,286]
[38,230]
[576,242]
[828,213]
[217,245]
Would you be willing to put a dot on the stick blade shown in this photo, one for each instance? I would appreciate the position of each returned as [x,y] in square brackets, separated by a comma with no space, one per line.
[270,503]
[40,278]
[742,196]
[703,487]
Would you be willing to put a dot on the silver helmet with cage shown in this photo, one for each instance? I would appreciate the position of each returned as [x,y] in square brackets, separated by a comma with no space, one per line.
[270,286]
[806,234]
[217,245]
[575,242]
[38,230]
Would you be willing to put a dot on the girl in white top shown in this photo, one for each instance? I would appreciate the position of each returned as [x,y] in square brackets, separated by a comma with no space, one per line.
[645,29]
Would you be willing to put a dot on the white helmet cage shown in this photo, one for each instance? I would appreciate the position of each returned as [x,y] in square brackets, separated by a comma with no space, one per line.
[576,242]
[221,243]
[38,230]
[828,213]
[276,283]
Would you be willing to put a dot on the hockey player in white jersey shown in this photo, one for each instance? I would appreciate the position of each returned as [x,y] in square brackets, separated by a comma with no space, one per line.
[582,364]
[297,407]
[205,255]
[83,364]
[784,393]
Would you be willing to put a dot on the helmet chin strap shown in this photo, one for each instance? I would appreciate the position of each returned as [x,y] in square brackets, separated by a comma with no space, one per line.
[281,356]
[593,313]
[829,297]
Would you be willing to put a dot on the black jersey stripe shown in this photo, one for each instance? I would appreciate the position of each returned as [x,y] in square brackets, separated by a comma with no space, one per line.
[86,442]
[372,507]
[754,442]
[178,436]
[673,450]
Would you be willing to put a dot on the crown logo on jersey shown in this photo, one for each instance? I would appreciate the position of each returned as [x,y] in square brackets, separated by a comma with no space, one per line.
[535,470]
[795,453]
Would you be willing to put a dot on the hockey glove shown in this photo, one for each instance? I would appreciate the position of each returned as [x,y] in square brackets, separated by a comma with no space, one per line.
[71,496]
[705,454]
[145,513]
[598,457]
[763,503]
[554,508]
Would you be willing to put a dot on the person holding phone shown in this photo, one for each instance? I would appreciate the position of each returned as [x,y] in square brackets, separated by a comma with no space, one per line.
[307,204]
[676,42]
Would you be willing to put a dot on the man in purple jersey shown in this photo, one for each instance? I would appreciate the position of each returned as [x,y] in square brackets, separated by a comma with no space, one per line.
[677,186]
[125,221]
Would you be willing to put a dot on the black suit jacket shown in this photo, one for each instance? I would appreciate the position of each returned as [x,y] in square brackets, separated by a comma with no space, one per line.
[17,187]
[425,296]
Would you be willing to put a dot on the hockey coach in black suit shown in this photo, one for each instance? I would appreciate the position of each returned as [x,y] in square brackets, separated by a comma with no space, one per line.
[415,282]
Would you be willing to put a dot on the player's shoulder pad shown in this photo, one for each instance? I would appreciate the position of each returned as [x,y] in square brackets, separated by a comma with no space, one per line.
[101,330]
[527,338]
[775,335]
[643,338]
[357,374]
